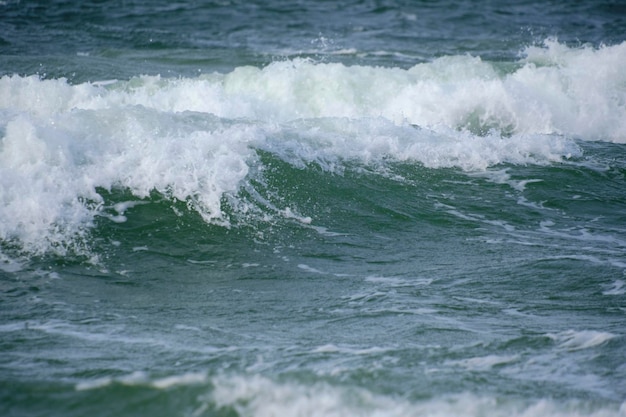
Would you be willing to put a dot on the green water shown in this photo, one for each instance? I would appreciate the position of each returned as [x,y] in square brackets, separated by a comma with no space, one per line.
[353,208]
[421,282]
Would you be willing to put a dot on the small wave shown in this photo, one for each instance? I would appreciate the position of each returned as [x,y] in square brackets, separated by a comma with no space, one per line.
[617,288]
[485,362]
[143,379]
[330,348]
[260,396]
[576,340]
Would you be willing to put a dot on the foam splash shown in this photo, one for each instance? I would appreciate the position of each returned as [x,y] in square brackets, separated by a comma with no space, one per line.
[260,396]
[580,91]
[195,140]
[51,170]
[553,90]
[576,92]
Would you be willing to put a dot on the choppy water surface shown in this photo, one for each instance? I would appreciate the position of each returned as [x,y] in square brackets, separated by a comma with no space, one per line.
[311,208]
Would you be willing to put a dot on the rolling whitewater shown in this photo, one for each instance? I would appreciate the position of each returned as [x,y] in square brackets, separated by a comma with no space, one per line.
[353,208]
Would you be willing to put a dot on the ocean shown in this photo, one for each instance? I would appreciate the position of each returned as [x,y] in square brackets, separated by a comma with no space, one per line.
[312,208]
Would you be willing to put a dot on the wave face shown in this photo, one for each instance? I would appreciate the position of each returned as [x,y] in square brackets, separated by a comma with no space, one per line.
[198,140]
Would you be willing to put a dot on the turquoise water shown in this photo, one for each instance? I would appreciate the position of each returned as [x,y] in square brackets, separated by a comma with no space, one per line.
[312,209]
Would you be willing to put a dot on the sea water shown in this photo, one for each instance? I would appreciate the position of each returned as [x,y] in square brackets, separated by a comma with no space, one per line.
[390,208]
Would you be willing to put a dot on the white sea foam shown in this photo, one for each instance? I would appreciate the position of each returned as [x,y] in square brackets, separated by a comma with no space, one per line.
[330,348]
[585,82]
[195,139]
[8,264]
[617,288]
[185,379]
[310,269]
[575,340]
[143,379]
[259,396]
[485,362]
[115,334]
[135,378]
[399,282]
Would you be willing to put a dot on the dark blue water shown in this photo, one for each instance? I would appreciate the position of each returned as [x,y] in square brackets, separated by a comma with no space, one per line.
[120,39]
[222,208]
